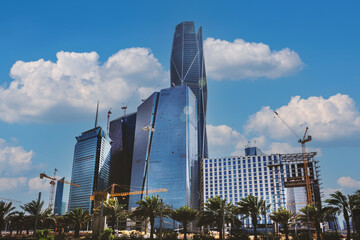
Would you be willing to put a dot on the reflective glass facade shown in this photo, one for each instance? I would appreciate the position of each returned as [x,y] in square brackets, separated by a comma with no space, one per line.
[173,160]
[59,205]
[91,167]
[122,133]
[144,117]
[187,66]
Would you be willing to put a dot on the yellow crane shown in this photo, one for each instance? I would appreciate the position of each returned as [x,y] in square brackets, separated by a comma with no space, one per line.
[113,194]
[306,138]
[43,175]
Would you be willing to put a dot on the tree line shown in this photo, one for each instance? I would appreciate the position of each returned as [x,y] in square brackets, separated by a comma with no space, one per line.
[215,214]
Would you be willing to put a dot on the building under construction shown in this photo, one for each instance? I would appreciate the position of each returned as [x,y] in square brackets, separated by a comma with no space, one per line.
[277,178]
[295,179]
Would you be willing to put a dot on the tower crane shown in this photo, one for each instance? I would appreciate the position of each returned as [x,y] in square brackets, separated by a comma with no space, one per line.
[306,138]
[113,194]
[52,183]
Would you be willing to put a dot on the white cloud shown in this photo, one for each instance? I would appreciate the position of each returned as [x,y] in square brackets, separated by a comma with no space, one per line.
[328,191]
[224,141]
[239,60]
[348,182]
[14,159]
[52,91]
[38,184]
[328,119]
[11,183]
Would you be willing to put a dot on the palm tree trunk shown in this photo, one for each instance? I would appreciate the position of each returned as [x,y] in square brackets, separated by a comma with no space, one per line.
[266,229]
[346,217]
[286,230]
[76,230]
[335,224]
[220,228]
[152,220]
[113,221]
[185,231]
[254,223]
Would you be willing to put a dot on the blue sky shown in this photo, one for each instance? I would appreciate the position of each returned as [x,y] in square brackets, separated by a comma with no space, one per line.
[258,56]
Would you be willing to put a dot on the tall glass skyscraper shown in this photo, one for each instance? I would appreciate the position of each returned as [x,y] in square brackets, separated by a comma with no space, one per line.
[59,206]
[187,66]
[173,145]
[122,133]
[91,167]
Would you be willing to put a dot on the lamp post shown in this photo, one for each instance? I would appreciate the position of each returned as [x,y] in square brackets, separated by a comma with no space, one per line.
[150,130]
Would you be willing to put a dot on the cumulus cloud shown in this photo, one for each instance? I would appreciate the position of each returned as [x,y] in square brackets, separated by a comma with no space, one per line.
[38,184]
[328,119]
[10,183]
[239,60]
[11,157]
[224,141]
[43,90]
[348,182]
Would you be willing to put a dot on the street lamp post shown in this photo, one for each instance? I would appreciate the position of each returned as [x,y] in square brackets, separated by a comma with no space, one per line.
[150,130]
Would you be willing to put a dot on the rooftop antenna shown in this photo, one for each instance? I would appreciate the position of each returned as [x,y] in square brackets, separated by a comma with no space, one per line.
[52,191]
[108,121]
[97,113]
[124,108]
[255,143]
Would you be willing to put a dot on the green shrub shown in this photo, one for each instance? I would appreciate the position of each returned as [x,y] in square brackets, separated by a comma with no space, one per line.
[107,234]
[271,236]
[44,235]
[331,236]
[169,235]
[239,234]
[301,236]
[203,237]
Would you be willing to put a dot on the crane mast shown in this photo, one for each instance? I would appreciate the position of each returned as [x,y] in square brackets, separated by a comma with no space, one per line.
[52,191]
[306,171]
[306,138]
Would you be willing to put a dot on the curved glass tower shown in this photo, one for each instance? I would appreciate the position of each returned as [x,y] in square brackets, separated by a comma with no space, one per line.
[187,67]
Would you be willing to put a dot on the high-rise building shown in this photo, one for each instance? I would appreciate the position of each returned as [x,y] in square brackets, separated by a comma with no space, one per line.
[90,168]
[187,67]
[260,175]
[122,133]
[171,148]
[59,206]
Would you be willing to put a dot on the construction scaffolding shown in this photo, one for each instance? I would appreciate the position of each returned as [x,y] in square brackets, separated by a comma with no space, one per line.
[296,174]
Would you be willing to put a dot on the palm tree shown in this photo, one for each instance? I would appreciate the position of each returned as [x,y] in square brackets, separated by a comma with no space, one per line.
[18,221]
[315,215]
[6,210]
[184,215]
[283,217]
[330,215]
[216,213]
[251,206]
[150,207]
[354,204]
[78,217]
[264,209]
[115,211]
[341,203]
[31,208]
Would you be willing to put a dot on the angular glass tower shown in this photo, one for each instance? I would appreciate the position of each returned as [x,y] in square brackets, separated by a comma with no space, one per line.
[91,167]
[122,133]
[187,66]
[173,160]
[59,207]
